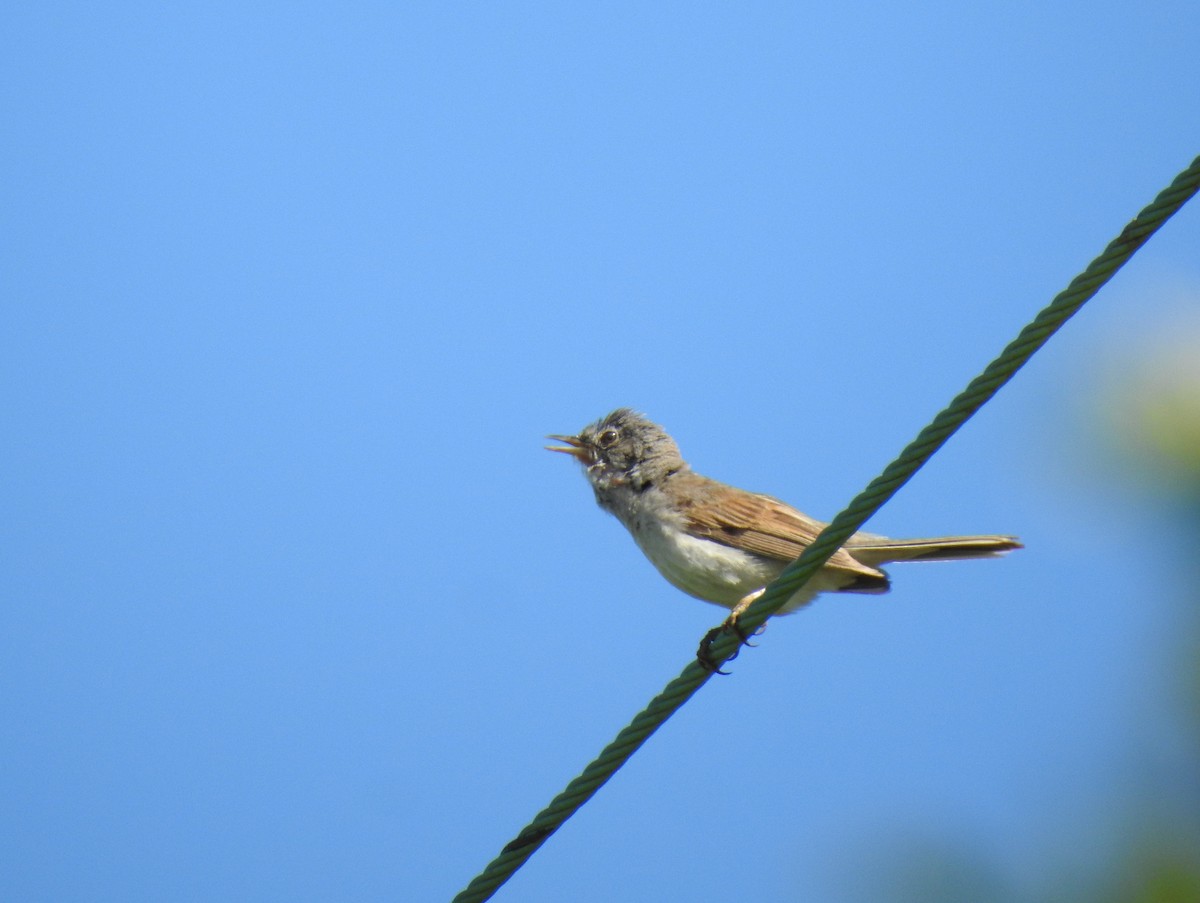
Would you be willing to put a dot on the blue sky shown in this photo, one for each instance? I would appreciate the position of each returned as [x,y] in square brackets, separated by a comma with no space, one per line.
[295,606]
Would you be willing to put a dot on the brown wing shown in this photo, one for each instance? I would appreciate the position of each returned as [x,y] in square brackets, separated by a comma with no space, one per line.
[762,525]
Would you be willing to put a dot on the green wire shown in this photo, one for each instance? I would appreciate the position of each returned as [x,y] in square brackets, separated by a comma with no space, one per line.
[882,488]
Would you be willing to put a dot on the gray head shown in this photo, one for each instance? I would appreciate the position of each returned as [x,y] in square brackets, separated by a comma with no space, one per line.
[623,449]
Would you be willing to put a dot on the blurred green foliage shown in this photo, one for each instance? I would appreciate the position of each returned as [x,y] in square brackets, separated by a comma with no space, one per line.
[1150,418]
[1153,414]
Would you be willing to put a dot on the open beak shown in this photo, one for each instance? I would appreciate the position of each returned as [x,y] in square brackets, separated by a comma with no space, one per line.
[574,447]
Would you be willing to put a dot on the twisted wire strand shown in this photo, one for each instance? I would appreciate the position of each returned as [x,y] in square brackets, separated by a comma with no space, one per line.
[882,488]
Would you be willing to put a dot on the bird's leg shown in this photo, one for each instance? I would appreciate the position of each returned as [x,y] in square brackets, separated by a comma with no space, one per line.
[704,654]
[731,623]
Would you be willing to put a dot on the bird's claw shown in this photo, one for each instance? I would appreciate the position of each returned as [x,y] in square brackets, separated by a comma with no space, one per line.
[704,653]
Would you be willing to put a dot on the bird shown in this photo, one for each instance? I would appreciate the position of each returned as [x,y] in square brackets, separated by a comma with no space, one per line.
[723,544]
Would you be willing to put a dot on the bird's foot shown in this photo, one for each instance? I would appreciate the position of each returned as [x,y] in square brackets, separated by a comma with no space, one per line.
[704,652]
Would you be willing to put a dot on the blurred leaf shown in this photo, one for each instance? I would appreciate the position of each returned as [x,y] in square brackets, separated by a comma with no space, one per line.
[1153,413]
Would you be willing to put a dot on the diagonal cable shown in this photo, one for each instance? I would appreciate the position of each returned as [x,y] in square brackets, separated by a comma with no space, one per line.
[882,488]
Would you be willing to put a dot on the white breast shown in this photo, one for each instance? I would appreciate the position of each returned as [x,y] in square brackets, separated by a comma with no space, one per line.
[699,567]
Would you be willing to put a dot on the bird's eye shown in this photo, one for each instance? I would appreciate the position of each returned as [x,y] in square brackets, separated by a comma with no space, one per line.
[607,438]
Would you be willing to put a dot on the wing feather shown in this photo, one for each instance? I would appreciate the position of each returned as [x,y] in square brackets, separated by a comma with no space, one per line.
[764,526]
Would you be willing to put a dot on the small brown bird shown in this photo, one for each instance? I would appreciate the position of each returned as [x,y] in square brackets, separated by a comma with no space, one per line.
[723,544]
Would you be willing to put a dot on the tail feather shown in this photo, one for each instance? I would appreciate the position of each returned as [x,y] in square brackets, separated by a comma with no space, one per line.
[872,550]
